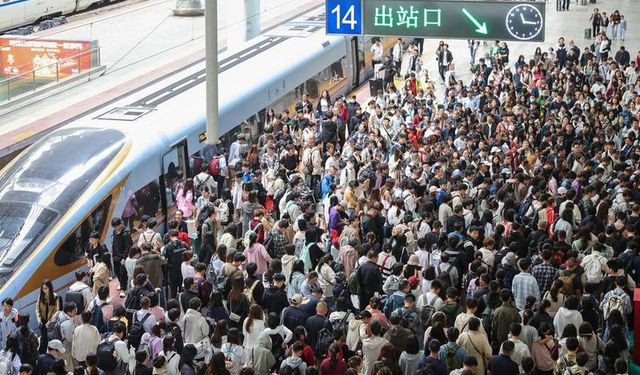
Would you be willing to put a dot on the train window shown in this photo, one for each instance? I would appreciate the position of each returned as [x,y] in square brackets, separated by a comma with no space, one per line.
[332,79]
[72,248]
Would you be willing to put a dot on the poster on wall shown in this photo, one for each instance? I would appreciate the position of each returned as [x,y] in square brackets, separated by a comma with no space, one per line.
[49,58]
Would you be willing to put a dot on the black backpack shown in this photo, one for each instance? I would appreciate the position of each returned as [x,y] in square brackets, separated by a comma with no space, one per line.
[277,350]
[26,351]
[133,299]
[325,339]
[97,318]
[137,330]
[106,353]
[75,297]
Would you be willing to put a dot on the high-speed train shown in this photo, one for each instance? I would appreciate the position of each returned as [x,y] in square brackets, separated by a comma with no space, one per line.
[123,159]
[16,13]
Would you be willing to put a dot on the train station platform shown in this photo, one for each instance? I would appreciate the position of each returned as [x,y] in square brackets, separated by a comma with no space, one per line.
[139,43]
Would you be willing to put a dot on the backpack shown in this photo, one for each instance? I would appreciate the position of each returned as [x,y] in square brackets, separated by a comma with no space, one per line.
[133,298]
[203,215]
[75,297]
[451,359]
[6,363]
[427,312]
[106,353]
[248,292]
[614,302]
[305,256]
[353,283]
[325,339]
[289,370]
[277,350]
[593,268]
[214,166]
[137,330]
[222,210]
[218,280]
[26,351]
[486,317]
[54,331]
[204,290]
[199,185]
[252,229]
[97,318]
[341,324]
[308,165]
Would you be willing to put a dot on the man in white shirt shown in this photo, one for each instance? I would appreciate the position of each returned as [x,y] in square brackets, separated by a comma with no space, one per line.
[85,339]
[377,49]
[462,320]
[521,350]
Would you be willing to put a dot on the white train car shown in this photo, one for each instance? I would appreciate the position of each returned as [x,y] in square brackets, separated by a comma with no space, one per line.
[76,179]
[16,13]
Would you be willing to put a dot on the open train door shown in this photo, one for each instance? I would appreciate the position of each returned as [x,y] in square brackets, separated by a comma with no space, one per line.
[175,169]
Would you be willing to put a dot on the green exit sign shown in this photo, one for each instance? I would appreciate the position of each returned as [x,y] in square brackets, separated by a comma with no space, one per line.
[455,19]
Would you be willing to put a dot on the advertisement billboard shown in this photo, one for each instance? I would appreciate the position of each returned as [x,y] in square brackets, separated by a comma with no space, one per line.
[49,58]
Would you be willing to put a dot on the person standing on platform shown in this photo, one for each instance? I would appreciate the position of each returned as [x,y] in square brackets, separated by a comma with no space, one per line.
[445,57]
[120,245]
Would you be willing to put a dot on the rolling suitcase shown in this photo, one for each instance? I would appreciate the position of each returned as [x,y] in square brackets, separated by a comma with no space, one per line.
[374,86]
[587,33]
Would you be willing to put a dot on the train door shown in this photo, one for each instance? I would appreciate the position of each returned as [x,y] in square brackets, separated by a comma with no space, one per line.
[355,62]
[175,171]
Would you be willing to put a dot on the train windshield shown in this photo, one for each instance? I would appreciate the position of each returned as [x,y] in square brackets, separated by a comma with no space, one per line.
[45,180]
[20,225]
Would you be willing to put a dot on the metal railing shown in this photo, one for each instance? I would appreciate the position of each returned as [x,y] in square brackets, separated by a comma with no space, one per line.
[19,84]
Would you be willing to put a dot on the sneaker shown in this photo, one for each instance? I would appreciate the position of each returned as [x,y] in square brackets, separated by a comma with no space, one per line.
[122,294]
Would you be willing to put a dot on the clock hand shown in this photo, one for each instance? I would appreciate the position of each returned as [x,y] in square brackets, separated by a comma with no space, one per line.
[522,18]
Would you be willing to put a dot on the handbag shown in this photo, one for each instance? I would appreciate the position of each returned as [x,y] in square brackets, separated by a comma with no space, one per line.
[233,316]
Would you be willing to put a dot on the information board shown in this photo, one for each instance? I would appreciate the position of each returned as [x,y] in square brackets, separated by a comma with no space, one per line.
[518,21]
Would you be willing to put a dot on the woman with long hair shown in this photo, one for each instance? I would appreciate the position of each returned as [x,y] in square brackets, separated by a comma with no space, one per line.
[219,336]
[184,198]
[47,305]
[217,366]
[333,364]
[187,364]
[217,310]
[296,280]
[555,297]
[237,302]
[253,325]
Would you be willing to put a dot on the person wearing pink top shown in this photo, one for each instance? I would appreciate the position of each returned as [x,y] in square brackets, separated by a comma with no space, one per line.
[256,253]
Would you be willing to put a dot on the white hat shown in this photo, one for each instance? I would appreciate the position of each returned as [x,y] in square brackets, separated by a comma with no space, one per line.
[56,345]
[509,258]
[494,149]
[562,190]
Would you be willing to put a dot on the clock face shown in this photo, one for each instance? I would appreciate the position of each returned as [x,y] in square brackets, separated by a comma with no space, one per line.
[524,21]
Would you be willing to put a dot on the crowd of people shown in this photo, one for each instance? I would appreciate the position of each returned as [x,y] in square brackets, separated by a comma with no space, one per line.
[494,230]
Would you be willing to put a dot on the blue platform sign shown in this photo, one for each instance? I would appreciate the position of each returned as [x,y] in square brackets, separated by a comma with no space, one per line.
[344,17]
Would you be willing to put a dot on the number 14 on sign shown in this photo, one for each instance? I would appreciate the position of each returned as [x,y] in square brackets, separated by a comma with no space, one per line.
[344,17]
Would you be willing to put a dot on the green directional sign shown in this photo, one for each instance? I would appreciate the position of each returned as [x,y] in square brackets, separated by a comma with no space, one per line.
[518,21]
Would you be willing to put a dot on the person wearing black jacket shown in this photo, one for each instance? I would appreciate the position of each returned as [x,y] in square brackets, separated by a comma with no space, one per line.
[120,245]
[173,251]
[370,279]
[190,291]
[274,299]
